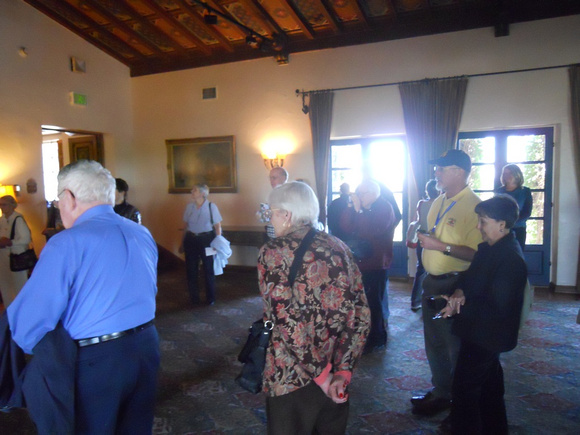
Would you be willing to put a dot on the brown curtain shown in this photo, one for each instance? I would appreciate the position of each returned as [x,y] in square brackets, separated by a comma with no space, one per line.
[320,123]
[432,109]
[574,74]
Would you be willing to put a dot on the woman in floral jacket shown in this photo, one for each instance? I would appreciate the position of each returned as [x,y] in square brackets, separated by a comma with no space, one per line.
[321,322]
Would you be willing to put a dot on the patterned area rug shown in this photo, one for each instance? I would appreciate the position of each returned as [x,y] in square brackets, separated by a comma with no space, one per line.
[198,395]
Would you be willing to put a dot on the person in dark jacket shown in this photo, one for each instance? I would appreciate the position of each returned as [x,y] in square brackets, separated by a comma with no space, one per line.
[122,207]
[335,210]
[370,222]
[487,309]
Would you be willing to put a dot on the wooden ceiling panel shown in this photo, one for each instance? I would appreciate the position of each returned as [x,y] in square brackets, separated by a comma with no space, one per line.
[153,36]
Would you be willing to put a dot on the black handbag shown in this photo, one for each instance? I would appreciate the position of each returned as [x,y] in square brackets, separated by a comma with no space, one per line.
[253,354]
[26,260]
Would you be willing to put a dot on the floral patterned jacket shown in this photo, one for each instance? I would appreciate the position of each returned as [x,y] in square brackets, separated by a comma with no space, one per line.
[321,324]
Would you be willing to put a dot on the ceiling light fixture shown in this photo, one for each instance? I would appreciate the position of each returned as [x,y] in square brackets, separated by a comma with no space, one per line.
[274,44]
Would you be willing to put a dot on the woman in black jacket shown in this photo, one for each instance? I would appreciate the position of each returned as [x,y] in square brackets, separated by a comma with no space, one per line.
[488,307]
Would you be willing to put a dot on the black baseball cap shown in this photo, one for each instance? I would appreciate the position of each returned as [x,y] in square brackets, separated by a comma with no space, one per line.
[453,158]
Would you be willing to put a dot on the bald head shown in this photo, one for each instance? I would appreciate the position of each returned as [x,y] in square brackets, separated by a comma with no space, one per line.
[278,176]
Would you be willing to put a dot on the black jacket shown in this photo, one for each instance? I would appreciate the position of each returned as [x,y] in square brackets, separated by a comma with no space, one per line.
[494,292]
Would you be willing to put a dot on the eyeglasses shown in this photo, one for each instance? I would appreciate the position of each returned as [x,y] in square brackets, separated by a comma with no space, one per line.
[57,200]
[267,214]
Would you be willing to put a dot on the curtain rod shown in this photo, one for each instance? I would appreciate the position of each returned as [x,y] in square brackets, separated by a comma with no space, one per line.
[298,91]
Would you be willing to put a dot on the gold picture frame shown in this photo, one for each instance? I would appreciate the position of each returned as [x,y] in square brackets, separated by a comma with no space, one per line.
[207,160]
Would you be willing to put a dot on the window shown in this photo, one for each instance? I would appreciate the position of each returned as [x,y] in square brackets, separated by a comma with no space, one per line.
[531,150]
[383,159]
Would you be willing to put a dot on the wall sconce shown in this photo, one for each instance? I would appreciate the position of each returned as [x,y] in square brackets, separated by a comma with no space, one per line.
[273,161]
[8,189]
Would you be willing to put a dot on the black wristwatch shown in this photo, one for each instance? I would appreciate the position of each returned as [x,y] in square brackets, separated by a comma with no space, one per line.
[447,250]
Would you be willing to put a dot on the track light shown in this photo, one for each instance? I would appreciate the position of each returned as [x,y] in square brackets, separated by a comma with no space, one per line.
[209,18]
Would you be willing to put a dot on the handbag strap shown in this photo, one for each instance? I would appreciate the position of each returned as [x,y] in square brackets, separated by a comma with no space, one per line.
[13,225]
[299,255]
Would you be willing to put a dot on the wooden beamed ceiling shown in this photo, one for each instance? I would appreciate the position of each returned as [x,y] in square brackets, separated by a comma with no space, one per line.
[154,36]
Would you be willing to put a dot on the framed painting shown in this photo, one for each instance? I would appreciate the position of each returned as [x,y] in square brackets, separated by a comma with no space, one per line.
[207,160]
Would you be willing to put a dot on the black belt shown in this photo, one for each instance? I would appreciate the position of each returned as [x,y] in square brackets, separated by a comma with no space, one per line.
[108,337]
[445,276]
[200,234]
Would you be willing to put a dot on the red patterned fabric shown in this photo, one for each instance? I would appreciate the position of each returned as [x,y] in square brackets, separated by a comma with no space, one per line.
[324,319]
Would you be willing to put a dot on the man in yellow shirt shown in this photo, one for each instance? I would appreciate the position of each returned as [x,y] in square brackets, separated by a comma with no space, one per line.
[448,249]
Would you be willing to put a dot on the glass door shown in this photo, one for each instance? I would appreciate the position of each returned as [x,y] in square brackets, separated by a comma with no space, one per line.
[384,160]
[530,149]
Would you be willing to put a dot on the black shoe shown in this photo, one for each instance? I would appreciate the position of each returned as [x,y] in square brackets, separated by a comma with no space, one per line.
[415,309]
[374,348]
[445,426]
[428,404]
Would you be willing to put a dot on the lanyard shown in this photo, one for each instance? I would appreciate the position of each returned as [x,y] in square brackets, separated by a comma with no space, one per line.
[440,216]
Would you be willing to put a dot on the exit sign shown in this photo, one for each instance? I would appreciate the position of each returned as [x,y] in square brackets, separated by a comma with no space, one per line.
[78,99]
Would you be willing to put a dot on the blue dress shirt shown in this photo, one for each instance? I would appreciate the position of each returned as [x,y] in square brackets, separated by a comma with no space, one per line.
[98,277]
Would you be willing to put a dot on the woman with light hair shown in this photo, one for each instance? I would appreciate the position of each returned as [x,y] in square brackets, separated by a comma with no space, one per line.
[203,223]
[321,319]
[512,184]
[15,239]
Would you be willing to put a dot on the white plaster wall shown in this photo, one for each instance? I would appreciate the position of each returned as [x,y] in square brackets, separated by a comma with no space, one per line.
[256,99]
[35,90]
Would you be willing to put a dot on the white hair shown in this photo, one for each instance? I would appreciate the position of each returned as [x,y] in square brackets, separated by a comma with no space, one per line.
[297,198]
[88,181]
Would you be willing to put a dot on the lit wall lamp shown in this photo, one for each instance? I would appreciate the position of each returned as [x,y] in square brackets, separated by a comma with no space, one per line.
[8,189]
[273,160]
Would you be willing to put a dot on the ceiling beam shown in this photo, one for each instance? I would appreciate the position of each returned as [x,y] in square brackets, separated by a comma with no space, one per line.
[174,22]
[122,25]
[138,18]
[297,15]
[83,33]
[330,17]
[224,42]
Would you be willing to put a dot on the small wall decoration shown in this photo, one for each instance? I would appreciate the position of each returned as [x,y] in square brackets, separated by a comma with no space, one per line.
[77,65]
[208,160]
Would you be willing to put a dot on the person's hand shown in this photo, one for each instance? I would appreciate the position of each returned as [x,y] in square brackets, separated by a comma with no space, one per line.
[431,242]
[5,242]
[337,389]
[454,304]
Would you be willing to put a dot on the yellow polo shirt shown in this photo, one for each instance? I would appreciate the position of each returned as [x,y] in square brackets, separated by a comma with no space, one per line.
[456,227]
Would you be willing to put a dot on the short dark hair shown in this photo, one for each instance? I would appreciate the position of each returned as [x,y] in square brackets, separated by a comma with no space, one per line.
[501,208]
[122,185]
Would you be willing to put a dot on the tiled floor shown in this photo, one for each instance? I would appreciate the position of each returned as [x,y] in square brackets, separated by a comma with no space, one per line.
[198,394]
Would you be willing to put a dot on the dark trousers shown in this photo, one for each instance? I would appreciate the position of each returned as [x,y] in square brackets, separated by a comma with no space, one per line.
[375,283]
[306,411]
[478,405]
[194,248]
[441,346]
[116,382]
[417,291]
[520,234]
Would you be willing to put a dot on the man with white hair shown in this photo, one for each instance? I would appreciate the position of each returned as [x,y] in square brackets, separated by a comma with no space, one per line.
[370,221]
[98,279]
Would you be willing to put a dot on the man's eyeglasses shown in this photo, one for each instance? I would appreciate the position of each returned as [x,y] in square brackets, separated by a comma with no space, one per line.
[57,200]
[267,214]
